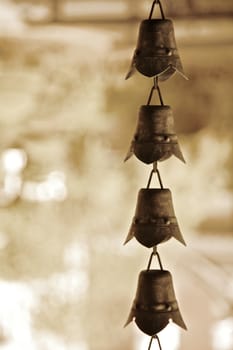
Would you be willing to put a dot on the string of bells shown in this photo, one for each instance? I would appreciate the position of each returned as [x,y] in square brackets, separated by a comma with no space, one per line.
[156,55]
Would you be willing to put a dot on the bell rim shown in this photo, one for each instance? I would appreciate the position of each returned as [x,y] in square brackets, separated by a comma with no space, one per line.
[157,20]
[172,316]
[151,271]
[159,107]
[145,189]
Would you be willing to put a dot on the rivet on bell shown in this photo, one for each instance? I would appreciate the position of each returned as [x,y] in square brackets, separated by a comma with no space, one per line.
[167,221]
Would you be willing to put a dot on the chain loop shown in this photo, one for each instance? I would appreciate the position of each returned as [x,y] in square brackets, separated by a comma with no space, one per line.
[159,178]
[155,87]
[155,253]
[151,340]
[157,2]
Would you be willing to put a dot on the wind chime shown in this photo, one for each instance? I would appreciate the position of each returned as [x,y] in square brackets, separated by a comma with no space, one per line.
[156,56]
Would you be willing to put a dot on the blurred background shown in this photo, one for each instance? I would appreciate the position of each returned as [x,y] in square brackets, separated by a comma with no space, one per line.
[67,199]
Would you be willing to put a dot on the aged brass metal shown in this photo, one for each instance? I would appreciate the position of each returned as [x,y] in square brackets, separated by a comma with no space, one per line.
[154,221]
[155,303]
[156,53]
[155,138]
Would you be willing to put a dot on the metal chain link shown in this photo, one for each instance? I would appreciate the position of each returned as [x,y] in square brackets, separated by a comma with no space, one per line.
[151,340]
[155,87]
[156,2]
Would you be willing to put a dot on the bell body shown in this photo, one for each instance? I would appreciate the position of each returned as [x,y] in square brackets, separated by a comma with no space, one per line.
[156,53]
[155,138]
[154,221]
[155,302]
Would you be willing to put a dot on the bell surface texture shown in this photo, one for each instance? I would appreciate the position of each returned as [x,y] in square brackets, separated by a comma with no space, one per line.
[156,54]
[154,221]
[155,302]
[155,138]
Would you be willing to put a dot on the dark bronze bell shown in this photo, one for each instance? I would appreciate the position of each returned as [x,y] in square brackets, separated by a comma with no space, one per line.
[154,221]
[156,54]
[155,303]
[155,139]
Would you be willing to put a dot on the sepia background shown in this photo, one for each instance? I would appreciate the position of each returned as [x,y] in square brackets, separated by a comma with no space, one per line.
[67,198]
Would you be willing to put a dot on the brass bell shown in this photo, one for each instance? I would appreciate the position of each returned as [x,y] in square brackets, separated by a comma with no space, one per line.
[155,138]
[155,302]
[154,221]
[156,54]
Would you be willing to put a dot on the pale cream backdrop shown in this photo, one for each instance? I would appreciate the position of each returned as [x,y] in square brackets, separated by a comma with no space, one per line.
[67,117]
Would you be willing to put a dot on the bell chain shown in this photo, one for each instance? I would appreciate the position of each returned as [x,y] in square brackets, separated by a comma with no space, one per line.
[156,55]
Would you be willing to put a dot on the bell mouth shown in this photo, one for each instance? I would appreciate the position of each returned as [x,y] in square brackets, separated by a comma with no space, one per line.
[154,322]
[153,231]
[158,149]
[150,237]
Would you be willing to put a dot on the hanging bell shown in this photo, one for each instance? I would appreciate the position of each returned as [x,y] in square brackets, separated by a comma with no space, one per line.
[155,139]
[154,221]
[155,303]
[156,54]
